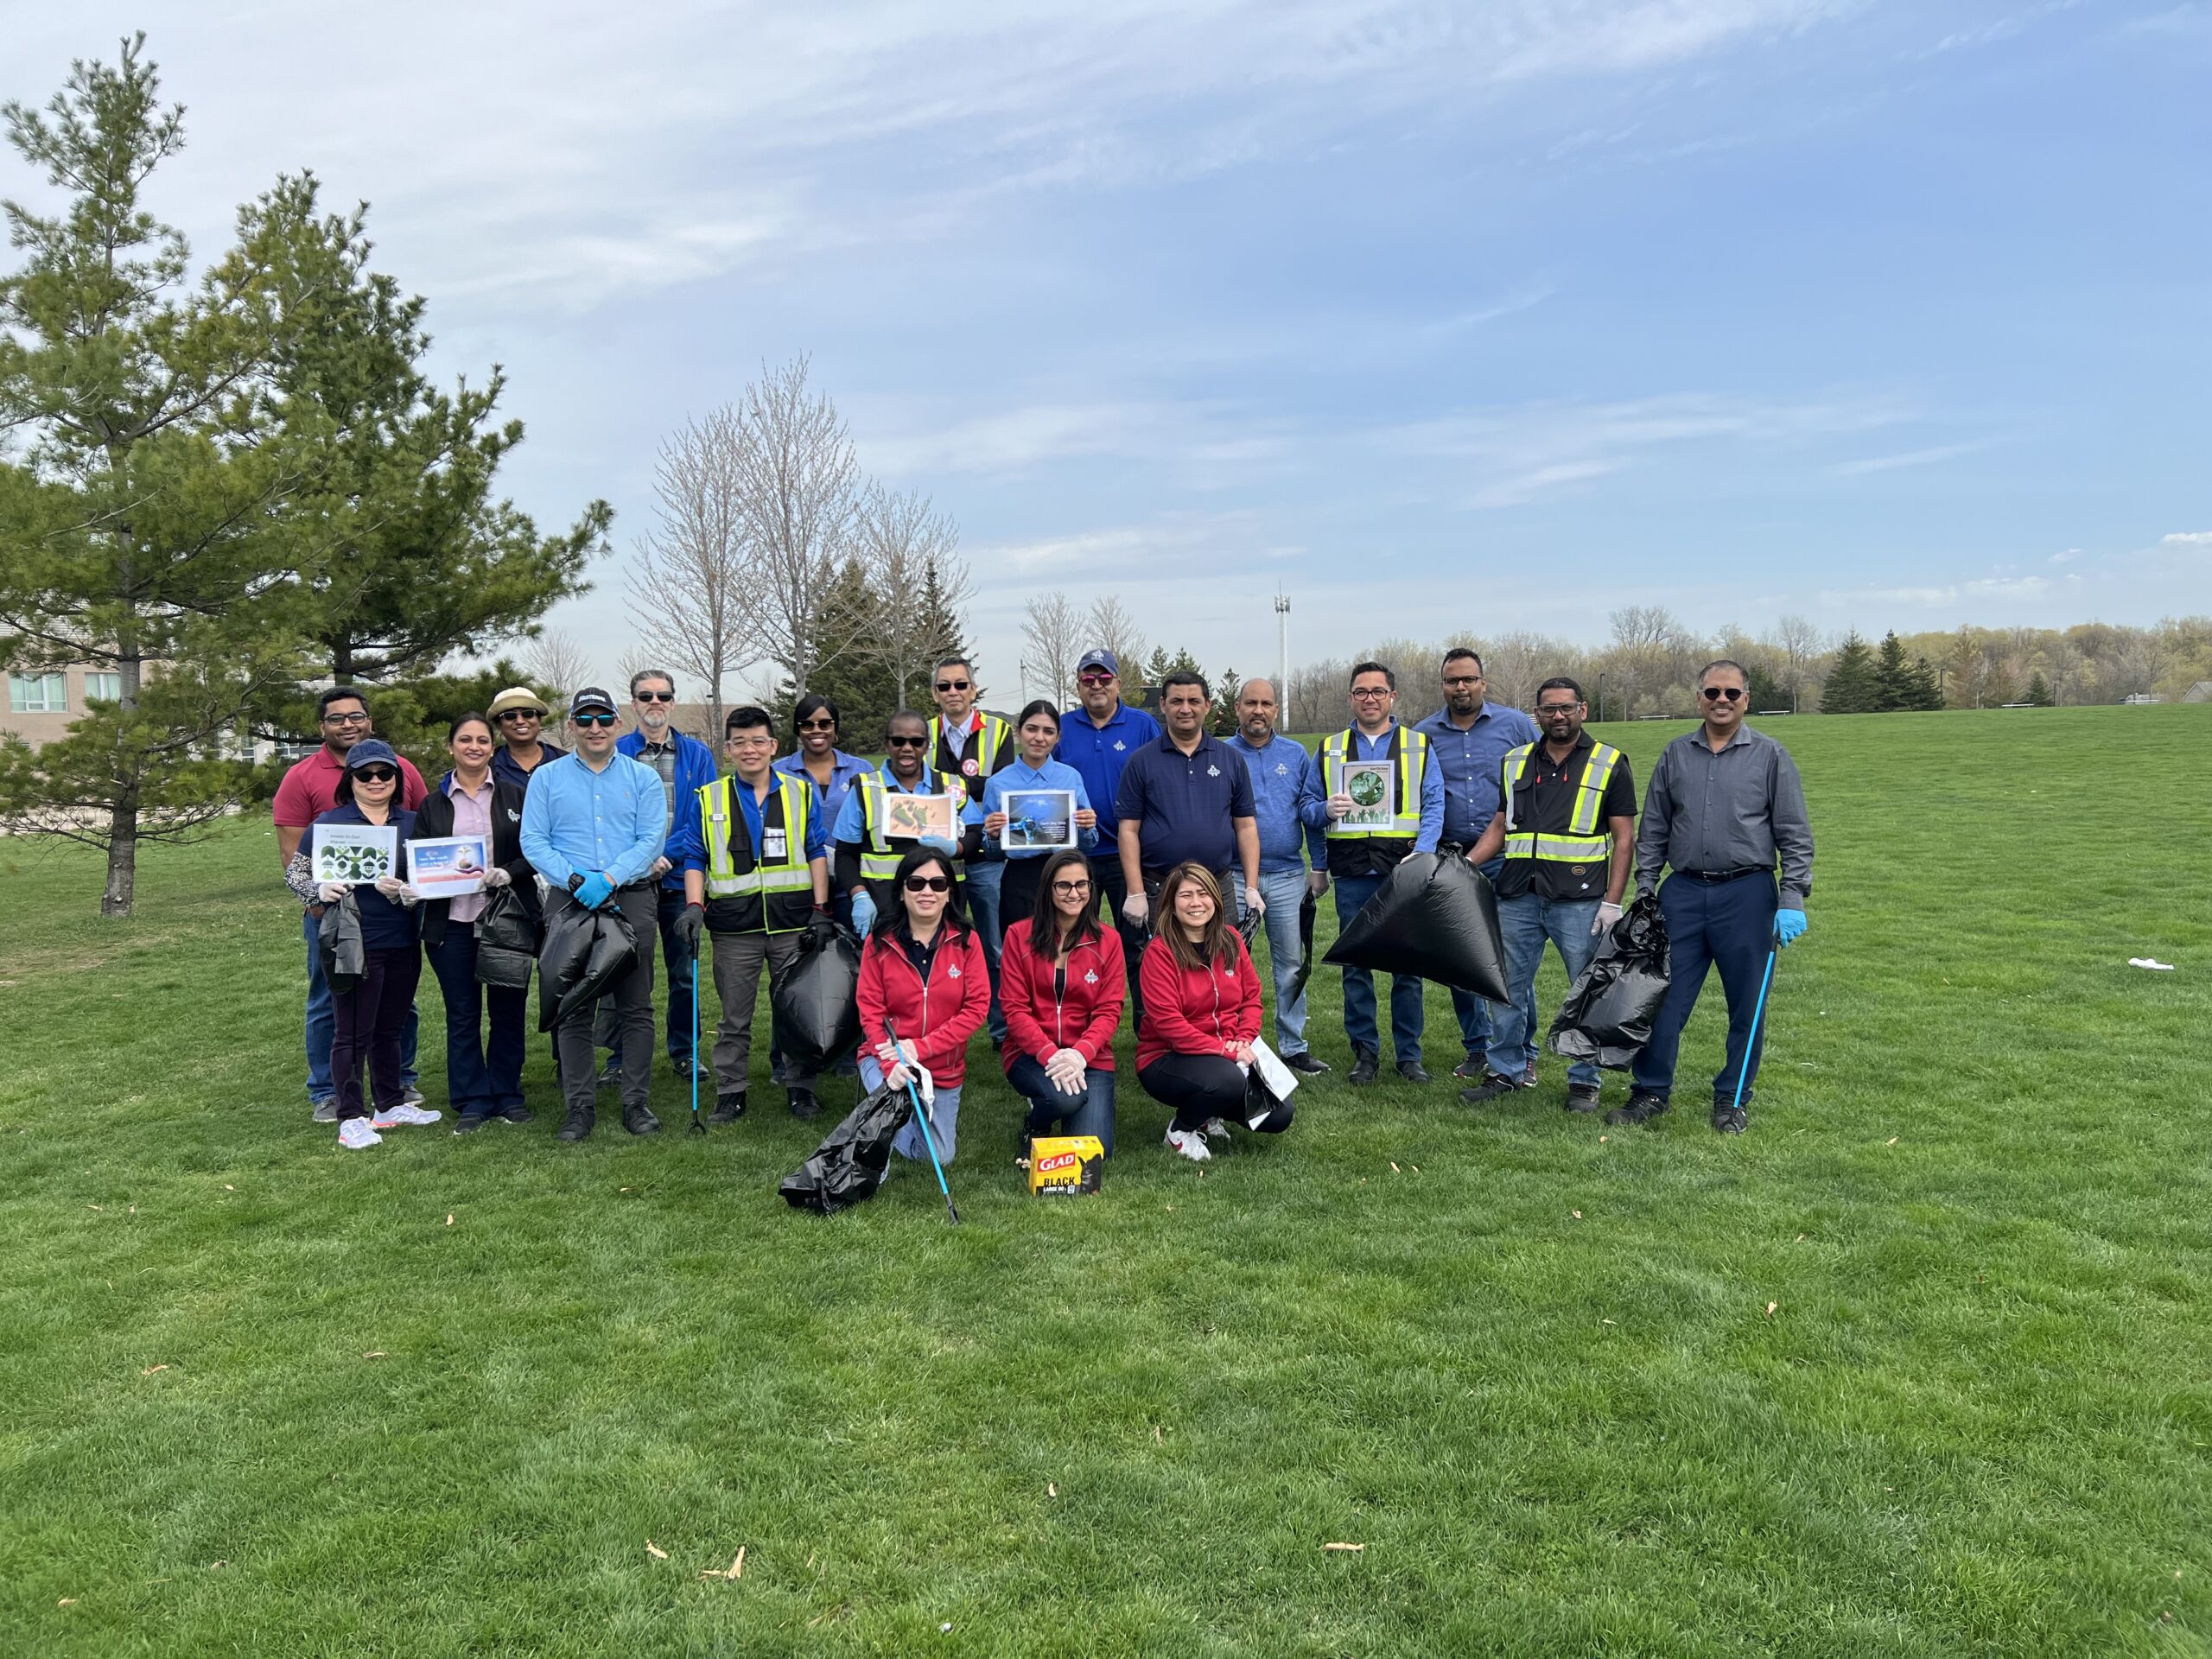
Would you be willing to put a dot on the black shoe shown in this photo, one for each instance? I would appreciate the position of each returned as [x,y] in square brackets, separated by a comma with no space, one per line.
[1642,1106]
[639,1120]
[1413,1071]
[575,1127]
[610,1075]
[1365,1064]
[1306,1063]
[685,1071]
[515,1113]
[1581,1096]
[727,1109]
[1492,1087]
[1470,1070]
[1728,1119]
[470,1123]
[803,1103]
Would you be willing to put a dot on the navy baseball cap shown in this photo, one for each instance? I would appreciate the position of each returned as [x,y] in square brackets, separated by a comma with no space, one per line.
[591,698]
[1100,658]
[369,752]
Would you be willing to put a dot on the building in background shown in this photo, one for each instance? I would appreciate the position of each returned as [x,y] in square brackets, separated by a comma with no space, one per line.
[41,706]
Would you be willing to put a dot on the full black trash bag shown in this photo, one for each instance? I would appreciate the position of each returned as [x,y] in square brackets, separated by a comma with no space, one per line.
[338,936]
[1606,1018]
[1435,918]
[585,951]
[1309,909]
[506,941]
[817,1003]
[848,1167]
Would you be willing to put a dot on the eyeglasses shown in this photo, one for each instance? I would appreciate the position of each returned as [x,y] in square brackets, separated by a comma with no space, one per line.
[1070,889]
[345,719]
[594,720]
[1370,691]
[954,685]
[1557,708]
[1095,679]
[519,714]
[817,725]
[1462,681]
[654,697]
[929,884]
[376,775]
[753,742]
[908,742]
[1714,693]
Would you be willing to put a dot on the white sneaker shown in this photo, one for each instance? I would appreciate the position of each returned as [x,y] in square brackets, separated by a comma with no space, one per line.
[356,1133]
[1191,1144]
[400,1117]
[1217,1128]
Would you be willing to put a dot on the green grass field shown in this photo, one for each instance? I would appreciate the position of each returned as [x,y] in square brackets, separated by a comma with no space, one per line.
[1920,1365]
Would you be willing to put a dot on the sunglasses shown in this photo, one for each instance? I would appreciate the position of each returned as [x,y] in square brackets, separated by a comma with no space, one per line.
[817,725]
[908,742]
[375,775]
[929,884]
[1714,693]
[1095,679]
[654,697]
[954,685]
[1070,889]
[521,714]
[594,720]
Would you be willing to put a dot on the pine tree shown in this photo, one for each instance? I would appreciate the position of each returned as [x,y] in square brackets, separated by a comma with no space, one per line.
[1850,687]
[1923,692]
[941,630]
[1892,675]
[1220,719]
[858,681]
[2039,691]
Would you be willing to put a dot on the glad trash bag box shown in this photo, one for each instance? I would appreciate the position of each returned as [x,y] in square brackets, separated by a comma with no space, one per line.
[1066,1164]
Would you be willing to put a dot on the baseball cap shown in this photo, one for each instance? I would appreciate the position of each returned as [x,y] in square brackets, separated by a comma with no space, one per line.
[369,752]
[516,696]
[1100,658]
[593,697]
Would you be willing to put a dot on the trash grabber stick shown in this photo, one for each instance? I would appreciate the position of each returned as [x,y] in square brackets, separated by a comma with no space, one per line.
[697,1128]
[922,1117]
[1750,1043]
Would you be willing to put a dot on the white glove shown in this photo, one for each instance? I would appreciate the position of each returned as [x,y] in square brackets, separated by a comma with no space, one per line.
[1318,883]
[497,877]
[1067,1071]
[390,886]
[1254,903]
[331,892]
[1608,914]
[1135,908]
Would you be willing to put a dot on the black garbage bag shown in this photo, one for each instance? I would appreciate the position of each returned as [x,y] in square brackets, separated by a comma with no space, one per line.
[506,941]
[585,951]
[1309,910]
[817,1003]
[1435,918]
[1606,1018]
[848,1167]
[339,937]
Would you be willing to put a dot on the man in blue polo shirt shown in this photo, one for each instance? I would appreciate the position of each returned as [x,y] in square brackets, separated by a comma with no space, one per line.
[1185,798]
[1098,737]
[1293,809]
[1471,739]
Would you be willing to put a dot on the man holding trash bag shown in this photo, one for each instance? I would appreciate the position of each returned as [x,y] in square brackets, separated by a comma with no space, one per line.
[1566,827]
[754,853]
[1725,803]
[593,823]
[1288,802]
[1363,852]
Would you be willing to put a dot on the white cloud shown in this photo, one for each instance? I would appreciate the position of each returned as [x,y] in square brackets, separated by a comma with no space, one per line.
[1908,458]
[2187,538]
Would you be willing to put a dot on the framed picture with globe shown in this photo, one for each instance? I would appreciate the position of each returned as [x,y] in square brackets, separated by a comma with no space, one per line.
[1038,820]
[350,855]
[1373,786]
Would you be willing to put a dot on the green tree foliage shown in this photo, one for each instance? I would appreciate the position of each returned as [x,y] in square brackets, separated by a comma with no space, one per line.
[1851,687]
[942,631]
[2039,691]
[1221,720]
[1903,683]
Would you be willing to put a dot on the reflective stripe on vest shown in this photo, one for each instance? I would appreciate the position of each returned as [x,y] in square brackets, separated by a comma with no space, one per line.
[1412,766]
[789,874]
[1585,842]
[878,861]
[987,742]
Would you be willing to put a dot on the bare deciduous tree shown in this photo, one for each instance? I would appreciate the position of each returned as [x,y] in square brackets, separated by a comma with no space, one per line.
[690,589]
[901,537]
[797,488]
[1316,700]
[1052,633]
[1801,648]
[559,664]
[1109,626]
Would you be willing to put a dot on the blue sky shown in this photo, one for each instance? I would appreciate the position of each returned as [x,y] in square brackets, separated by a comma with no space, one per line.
[1481,316]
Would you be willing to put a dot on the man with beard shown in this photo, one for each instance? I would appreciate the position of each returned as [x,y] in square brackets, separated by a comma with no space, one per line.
[1288,803]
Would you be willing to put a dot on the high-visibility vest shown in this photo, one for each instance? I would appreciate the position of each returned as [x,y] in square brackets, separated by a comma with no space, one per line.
[879,862]
[746,893]
[1409,748]
[988,744]
[1586,840]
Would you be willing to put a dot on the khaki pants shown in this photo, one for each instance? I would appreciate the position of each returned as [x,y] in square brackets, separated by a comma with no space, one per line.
[739,958]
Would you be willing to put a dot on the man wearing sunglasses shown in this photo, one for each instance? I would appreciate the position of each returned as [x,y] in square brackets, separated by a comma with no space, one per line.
[867,853]
[593,823]
[969,744]
[519,716]
[1724,804]
[310,789]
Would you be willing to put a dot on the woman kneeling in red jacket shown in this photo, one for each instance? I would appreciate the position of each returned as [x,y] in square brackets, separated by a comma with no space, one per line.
[1062,985]
[922,971]
[1201,998]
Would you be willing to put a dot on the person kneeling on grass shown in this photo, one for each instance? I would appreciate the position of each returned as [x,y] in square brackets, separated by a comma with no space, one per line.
[922,971]
[1201,1016]
[1062,985]
[370,1019]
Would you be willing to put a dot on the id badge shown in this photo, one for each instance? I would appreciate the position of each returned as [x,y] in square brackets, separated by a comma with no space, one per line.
[772,845]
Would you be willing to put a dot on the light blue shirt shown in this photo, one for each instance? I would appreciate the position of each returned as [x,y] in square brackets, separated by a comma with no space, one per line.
[852,821]
[610,823]
[1470,761]
[844,770]
[1289,803]
[1018,774]
[1364,747]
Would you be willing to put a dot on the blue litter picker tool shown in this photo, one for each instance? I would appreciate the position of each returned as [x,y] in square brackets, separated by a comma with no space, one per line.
[922,1117]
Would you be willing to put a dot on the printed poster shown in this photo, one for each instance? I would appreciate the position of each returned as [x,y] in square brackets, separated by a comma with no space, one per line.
[449,866]
[352,854]
[1038,820]
[1373,786]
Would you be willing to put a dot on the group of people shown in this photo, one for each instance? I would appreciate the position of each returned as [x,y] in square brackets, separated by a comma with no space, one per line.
[1183,845]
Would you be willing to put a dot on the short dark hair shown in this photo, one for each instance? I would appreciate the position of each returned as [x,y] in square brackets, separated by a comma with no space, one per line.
[748,717]
[452,730]
[1457,651]
[341,693]
[1383,668]
[1035,706]
[1185,677]
[645,674]
[891,920]
[812,703]
[897,714]
[1560,682]
[1742,673]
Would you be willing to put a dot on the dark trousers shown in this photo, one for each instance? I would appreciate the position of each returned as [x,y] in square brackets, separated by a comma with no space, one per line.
[481,1078]
[1106,882]
[1729,927]
[1018,889]
[1202,1087]
[367,1024]
[668,905]
[1090,1112]
[632,996]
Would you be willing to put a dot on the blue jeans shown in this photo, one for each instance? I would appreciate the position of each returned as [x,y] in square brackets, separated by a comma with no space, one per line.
[481,1078]
[944,1117]
[981,884]
[1729,927]
[1352,893]
[1527,921]
[322,1024]
[1090,1112]
[1473,1012]
[1282,891]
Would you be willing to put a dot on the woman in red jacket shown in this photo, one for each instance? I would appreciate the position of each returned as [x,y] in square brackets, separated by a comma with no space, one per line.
[922,971]
[1062,985]
[1201,1000]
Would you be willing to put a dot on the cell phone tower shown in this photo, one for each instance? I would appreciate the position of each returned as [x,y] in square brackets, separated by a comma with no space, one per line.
[1283,657]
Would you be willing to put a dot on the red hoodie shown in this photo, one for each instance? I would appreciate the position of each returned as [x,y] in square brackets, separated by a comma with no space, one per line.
[1082,1018]
[937,1018]
[1209,1011]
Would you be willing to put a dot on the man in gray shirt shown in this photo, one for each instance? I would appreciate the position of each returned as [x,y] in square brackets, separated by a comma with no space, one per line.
[1724,804]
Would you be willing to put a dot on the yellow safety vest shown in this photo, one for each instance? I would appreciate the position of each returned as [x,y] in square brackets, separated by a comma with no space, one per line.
[990,742]
[1410,749]
[765,895]
[1586,840]
[879,862]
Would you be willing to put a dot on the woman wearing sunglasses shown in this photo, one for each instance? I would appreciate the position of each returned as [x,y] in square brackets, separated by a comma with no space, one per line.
[1037,731]
[1201,1017]
[832,771]
[922,971]
[1062,985]
[371,1018]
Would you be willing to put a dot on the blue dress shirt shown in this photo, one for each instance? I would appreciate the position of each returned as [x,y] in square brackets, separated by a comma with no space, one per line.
[1100,752]
[1364,747]
[611,822]
[1470,761]
[1052,774]
[1291,807]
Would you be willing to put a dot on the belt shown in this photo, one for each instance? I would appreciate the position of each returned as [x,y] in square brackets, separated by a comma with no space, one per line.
[1714,878]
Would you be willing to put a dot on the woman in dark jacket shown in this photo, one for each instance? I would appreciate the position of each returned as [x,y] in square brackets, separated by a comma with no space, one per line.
[483,1080]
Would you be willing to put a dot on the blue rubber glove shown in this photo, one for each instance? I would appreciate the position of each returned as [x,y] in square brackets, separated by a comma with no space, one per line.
[597,891]
[863,914]
[1788,925]
[938,844]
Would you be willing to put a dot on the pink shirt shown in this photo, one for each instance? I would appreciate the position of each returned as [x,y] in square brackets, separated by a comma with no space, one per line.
[310,789]
[472,816]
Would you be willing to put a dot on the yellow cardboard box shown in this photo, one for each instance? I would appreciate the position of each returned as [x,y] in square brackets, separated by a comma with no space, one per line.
[1066,1164]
